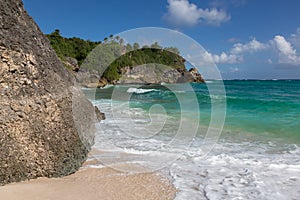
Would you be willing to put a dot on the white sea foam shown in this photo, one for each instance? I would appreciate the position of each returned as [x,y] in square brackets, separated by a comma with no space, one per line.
[233,170]
[107,86]
[140,90]
[179,91]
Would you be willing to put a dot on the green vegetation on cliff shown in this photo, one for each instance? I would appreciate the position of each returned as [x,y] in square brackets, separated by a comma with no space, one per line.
[71,47]
[141,57]
[94,57]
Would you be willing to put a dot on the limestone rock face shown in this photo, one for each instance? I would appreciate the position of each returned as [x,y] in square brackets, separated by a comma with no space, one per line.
[155,74]
[71,63]
[46,124]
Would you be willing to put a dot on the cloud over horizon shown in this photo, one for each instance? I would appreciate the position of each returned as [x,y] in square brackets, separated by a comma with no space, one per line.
[182,13]
[250,47]
[225,58]
[235,55]
[285,50]
[287,54]
[295,38]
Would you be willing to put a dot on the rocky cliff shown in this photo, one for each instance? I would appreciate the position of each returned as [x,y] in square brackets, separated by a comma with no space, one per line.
[46,124]
[156,73]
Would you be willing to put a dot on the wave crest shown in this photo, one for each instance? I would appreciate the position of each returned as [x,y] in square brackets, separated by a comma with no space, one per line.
[140,90]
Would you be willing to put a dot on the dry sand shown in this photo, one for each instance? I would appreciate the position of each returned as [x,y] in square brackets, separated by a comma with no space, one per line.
[92,184]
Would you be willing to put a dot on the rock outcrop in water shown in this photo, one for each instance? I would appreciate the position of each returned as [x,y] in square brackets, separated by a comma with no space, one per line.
[156,74]
[46,124]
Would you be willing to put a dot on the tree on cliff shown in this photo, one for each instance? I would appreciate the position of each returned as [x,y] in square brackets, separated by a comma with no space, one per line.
[111,50]
[136,46]
[71,47]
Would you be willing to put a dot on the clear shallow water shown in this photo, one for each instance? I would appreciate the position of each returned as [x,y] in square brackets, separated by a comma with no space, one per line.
[256,157]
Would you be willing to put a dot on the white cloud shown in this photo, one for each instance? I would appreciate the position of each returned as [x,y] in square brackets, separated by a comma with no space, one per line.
[287,54]
[235,55]
[225,58]
[207,58]
[201,59]
[213,16]
[251,47]
[295,38]
[184,13]
[286,51]
[234,69]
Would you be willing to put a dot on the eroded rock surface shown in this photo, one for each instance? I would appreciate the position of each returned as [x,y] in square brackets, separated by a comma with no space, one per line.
[156,74]
[46,124]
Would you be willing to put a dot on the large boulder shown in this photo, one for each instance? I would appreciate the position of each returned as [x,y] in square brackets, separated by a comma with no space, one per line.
[46,124]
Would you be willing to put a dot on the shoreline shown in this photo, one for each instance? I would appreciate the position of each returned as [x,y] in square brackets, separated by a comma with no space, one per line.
[93,183]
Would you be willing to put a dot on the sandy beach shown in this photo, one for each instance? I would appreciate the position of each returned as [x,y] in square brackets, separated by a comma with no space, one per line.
[91,184]
[94,183]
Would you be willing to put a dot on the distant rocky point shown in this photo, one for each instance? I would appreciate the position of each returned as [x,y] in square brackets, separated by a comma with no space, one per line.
[156,74]
[142,66]
[142,74]
[113,62]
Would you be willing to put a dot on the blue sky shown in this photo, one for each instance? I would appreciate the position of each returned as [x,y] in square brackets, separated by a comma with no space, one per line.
[246,38]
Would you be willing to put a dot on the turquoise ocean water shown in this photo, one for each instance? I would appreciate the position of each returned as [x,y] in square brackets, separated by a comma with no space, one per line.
[257,155]
[269,108]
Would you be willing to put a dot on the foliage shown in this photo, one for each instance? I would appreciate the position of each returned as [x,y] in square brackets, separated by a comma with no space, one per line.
[94,57]
[71,47]
[99,60]
[141,57]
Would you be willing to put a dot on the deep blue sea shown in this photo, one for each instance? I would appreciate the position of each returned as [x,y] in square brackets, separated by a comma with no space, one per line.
[178,130]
